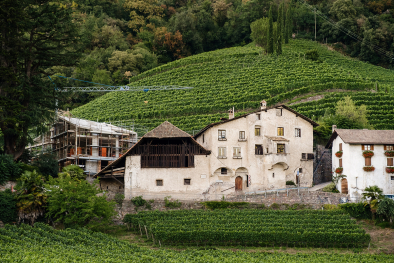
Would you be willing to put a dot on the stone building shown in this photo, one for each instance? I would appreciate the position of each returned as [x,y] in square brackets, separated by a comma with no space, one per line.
[89,144]
[365,157]
[255,151]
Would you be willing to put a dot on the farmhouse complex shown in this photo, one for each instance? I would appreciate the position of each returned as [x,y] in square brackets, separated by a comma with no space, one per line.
[257,151]
[365,157]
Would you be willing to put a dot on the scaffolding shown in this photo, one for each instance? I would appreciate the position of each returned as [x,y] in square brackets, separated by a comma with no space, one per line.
[91,145]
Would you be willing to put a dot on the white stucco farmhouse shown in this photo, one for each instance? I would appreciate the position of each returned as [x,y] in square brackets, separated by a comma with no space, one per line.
[365,157]
[256,151]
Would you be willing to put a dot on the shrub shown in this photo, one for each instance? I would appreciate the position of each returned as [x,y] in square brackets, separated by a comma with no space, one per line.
[73,171]
[313,55]
[274,206]
[331,188]
[47,164]
[171,204]
[357,210]
[290,183]
[7,207]
[78,203]
[224,204]
[119,198]
[138,201]
[9,170]
[331,207]
[386,208]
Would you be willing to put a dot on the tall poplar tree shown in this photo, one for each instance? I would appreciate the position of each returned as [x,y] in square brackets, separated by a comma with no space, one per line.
[289,24]
[279,35]
[270,35]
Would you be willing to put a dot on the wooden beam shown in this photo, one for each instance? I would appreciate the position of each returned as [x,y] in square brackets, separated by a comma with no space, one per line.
[117,180]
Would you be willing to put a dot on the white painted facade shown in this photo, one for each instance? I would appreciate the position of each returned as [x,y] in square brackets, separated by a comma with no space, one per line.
[271,169]
[353,162]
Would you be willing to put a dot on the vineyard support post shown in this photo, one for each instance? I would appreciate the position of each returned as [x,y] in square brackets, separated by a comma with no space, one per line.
[146,231]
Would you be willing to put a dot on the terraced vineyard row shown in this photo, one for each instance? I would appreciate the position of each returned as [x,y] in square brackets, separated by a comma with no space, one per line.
[380,107]
[42,243]
[251,227]
[237,77]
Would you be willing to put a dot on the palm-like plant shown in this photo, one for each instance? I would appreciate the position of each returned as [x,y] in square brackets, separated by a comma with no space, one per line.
[373,194]
[30,196]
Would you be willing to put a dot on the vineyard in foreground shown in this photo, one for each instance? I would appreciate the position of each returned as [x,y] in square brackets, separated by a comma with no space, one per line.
[237,77]
[312,228]
[42,243]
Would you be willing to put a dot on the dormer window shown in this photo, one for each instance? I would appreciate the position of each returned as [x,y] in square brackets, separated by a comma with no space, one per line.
[222,135]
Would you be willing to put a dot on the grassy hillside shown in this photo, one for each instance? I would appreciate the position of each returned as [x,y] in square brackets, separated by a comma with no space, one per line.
[241,77]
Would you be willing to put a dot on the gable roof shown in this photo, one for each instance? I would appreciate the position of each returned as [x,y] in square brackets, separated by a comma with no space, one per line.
[362,136]
[166,130]
[244,115]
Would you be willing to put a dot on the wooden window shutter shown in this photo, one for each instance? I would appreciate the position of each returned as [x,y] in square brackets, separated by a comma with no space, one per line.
[340,162]
[368,161]
[340,146]
[389,161]
[385,147]
[362,147]
[371,147]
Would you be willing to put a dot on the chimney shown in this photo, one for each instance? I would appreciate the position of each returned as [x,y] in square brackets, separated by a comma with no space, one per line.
[333,128]
[263,105]
[231,113]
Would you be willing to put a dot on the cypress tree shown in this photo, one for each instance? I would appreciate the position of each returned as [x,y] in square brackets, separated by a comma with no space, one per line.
[279,33]
[270,35]
[283,13]
[289,23]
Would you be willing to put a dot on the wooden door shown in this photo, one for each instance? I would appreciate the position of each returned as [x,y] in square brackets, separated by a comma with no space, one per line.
[238,183]
[344,186]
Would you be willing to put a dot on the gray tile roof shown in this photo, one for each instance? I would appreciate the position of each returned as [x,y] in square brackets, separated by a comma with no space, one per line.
[363,136]
[166,130]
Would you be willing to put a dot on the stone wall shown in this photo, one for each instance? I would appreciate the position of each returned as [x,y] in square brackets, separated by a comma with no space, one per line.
[323,162]
[315,200]
[112,187]
[7,185]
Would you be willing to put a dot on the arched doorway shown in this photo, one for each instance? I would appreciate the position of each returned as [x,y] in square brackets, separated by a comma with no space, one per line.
[344,189]
[238,183]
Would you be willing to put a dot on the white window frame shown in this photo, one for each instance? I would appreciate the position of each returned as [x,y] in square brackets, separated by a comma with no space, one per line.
[222,152]
[222,135]
[237,153]
[297,132]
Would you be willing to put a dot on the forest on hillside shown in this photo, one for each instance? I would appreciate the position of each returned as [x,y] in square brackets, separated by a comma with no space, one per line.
[122,38]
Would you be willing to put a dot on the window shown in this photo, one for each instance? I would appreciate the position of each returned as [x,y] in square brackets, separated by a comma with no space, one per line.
[297,132]
[389,161]
[278,112]
[258,149]
[340,146]
[159,182]
[273,175]
[281,131]
[222,152]
[223,170]
[340,162]
[257,116]
[242,135]
[237,152]
[367,147]
[267,150]
[300,170]
[389,147]
[257,131]
[303,156]
[186,181]
[392,178]
[368,161]
[222,135]
[280,148]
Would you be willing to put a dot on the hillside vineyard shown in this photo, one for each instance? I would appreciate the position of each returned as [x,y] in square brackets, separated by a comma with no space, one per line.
[238,77]
[49,245]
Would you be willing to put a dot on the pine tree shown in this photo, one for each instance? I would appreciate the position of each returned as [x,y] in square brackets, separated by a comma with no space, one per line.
[289,24]
[279,24]
[270,35]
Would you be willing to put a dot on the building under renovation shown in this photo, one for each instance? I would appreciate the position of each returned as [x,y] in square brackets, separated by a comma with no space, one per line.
[89,144]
